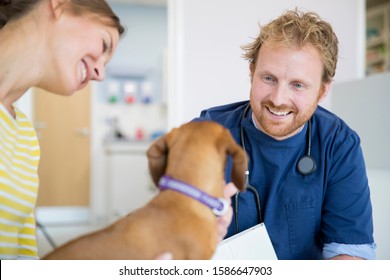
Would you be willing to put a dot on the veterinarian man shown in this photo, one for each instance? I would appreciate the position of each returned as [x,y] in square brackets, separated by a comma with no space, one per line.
[305,162]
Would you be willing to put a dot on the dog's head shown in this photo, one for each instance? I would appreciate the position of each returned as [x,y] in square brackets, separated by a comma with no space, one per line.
[197,142]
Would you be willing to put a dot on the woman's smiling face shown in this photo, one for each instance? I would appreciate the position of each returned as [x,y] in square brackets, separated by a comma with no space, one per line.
[80,48]
[286,88]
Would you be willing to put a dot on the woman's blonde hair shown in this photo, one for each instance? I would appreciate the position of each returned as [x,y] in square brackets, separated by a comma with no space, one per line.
[296,28]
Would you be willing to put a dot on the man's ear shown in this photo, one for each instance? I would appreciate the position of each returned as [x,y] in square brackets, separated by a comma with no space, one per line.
[57,7]
[252,68]
[325,90]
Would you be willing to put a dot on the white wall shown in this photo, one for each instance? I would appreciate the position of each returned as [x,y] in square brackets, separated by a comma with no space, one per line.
[364,104]
[205,64]
[379,180]
[141,50]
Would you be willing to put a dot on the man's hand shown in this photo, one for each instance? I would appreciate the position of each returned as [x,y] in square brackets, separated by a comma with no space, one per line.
[345,257]
[165,256]
[223,222]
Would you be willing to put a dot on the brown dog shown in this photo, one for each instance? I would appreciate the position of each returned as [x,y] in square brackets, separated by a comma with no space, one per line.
[195,153]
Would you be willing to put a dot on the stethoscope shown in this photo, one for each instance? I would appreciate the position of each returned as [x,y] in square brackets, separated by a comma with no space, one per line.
[306,165]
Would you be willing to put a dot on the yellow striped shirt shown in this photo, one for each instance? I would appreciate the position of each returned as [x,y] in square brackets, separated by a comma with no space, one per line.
[19,157]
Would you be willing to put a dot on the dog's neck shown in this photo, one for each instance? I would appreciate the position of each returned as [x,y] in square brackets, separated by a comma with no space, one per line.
[219,206]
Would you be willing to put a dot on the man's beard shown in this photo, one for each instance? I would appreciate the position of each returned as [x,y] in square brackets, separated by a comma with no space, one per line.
[276,128]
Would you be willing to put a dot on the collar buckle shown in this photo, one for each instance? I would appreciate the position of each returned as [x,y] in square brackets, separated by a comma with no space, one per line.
[222,209]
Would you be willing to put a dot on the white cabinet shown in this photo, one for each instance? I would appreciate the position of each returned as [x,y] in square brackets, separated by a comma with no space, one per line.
[378,39]
[129,185]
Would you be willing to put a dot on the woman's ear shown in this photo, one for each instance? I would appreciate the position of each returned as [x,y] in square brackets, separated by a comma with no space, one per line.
[57,7]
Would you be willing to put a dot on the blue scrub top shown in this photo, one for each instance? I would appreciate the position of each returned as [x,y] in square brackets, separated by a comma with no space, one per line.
[302,212]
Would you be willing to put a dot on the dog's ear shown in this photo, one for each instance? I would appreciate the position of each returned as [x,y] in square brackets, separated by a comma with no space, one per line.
[157,158]
[239,161]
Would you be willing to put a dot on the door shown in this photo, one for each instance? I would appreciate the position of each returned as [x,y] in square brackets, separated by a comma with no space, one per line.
[63,124]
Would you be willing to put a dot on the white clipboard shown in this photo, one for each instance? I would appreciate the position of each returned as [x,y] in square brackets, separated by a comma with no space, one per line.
[251,244]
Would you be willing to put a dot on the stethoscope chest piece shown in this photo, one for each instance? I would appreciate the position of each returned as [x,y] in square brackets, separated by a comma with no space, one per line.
[306,165]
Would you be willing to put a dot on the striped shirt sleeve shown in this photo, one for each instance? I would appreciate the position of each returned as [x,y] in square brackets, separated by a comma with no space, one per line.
[19,157]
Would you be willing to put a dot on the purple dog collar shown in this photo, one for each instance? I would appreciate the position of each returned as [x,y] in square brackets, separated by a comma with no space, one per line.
[219,206]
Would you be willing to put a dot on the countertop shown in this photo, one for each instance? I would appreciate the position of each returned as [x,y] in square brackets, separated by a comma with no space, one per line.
[126,146]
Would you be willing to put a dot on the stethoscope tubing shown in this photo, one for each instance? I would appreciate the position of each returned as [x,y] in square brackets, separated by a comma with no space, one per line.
[309,167]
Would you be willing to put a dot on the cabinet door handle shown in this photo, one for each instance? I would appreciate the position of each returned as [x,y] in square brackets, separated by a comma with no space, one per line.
[83,132]
[40,125]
